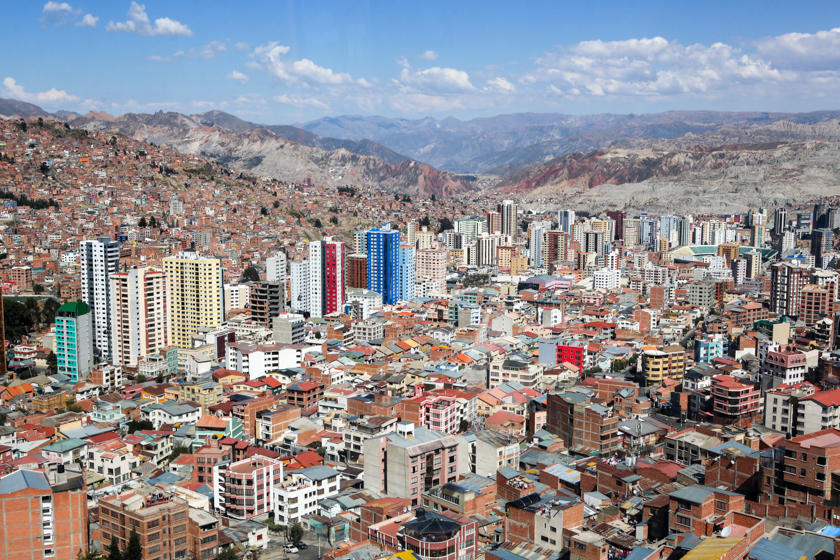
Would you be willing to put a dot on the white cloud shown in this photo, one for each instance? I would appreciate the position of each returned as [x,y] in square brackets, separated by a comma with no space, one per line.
[238,76]
[212,49]
[649,67]
[429,55]
[57,7]
[88,20]
[271,58]
[301,101]
[415,103]
[138,22]
[158,58]
[50,97]
[435,79]
[803,51]
[500,84]
[241,46]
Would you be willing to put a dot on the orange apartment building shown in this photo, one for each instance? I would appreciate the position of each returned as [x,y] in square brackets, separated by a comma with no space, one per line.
[44,514]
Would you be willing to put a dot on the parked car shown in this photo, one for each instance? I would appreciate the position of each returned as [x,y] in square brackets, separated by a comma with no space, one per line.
[301,545]
[291,549]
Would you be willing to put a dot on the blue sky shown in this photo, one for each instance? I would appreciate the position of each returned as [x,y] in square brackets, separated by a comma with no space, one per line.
[287,62]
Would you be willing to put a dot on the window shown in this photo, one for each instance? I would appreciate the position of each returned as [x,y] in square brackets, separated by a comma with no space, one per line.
[684,521]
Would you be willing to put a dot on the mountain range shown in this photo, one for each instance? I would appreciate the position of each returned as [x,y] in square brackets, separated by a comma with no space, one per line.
[619,160]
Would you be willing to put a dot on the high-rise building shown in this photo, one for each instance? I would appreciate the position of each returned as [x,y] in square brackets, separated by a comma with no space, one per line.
[472,227]
[383,244]
[486,246]
[510,218]
[815,303]
[100,259]
[431,265]
[357,270]
[779,221]
[786,283]
[555,247]
[757,235]
[139,321]
[360,242]
[299,276]
[195,294]
[594,242]
[74,340]
[45,514]
[753,259]
[536,235]
[268,300]
[275,268]
[618,217]
[684,231]
[494,223]
[327,279]
[237,296]
[566,219]
[822,242]
[406,272]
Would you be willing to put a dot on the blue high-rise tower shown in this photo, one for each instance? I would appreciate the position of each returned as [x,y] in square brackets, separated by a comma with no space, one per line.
[382,261]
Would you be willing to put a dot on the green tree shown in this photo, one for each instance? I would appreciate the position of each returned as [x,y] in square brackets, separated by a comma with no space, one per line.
[250,274]
[114,550]
[424,221]
[52,362]
[142,223]
[334,220]
[140,378]
[445,224]
[153,222]
[296,532]
[89,555]
[317,223]
[228,553]
[138,425]
[133,551]
[177,451]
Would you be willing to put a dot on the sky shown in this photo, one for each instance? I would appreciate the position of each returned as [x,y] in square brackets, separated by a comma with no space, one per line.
[278,62]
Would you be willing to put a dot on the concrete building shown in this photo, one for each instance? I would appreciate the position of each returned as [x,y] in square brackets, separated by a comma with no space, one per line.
[245,489]
[100,258]
[139,315]
[300,493]
[288,328]
[299,276]
[275,268]
[74,340]
[194,290]
[327,281]
[411,461]
[406,272]
[382,263]
[237,296]
[267,301]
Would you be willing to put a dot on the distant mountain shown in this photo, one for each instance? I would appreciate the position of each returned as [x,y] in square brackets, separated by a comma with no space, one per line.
[264,151]
[721,179]
[503,144]
[221,119]
[22,109]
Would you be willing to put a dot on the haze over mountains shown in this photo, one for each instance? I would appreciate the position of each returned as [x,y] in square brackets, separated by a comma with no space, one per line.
[545,157]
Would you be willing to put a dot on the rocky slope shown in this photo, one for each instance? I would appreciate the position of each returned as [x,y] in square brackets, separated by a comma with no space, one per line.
[263,151]
[721,179]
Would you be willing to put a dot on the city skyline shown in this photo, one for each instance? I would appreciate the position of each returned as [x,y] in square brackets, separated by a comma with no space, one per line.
[296,62]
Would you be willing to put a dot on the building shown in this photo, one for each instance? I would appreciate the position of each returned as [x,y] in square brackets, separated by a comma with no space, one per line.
[606,279]
[139,315]
[559,351]
[431,265]
[244,489]
[784,365]
[237,296]
[161,521]
[289,328]
[406,272]
[327,280]
[786,283]
[781,406]
[300,494]
[267,300]
[299,280]
[510,218]
[701,294]
[357,270]
[275,268]
[258,360]
[584,425]
[442,536]
[810,463]
[74,340]
[822,243]
[194,290]
[657,364]
[707,347]
[815,303]
[45,514]
[382,263]
[100,258]
[734,402]
[815,412]
[411,461]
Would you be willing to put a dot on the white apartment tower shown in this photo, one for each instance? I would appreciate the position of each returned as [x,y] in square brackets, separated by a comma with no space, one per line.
[100,259]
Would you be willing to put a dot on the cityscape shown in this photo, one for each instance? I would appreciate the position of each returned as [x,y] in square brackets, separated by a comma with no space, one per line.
[418,326]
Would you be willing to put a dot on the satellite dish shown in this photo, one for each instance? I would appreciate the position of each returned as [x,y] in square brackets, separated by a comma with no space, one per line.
[726,531]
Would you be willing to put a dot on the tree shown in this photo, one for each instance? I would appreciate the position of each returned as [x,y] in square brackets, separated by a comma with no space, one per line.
[424,221]
[153,222]
[464,425]
[139,425]
[228,553]
[250,274]
[52,362]
[296,532]
[334,220]
[445,224]
[114,550]
[433,198]
[264,211]
[177,451]
[133,551]
[89,555]
[142,223]
[317,223]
